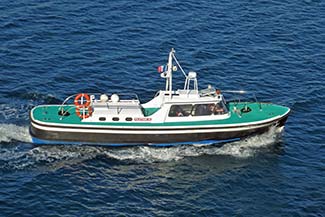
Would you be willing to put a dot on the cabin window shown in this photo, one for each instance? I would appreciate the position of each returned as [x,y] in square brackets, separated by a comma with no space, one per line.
[203,109]
[128,119]
[208,109]
[115,119]
[198,110]
[102,119]
[180,110]
[220,108]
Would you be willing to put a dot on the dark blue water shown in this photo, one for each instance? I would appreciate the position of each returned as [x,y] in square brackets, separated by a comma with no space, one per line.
[49,50]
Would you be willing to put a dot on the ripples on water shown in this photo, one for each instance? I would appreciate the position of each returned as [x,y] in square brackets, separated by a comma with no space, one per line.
[15,158]
[50,50]
[120,180]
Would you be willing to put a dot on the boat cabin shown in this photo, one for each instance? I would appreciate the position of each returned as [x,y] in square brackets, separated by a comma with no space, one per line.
[185,104]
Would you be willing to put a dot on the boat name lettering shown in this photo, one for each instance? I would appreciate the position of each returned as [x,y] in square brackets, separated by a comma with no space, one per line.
[142,119]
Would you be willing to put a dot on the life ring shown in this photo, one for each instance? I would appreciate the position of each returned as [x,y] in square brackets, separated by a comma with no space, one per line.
[218,92]
[84,115]
[84,97]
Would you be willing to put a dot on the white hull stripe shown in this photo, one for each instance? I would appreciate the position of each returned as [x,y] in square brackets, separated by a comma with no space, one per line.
[220,126]
[148,131]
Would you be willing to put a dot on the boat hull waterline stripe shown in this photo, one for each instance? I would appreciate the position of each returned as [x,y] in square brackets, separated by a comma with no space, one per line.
[202,142]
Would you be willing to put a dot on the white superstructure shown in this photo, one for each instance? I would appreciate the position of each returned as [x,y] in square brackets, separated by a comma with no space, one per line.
[167,106]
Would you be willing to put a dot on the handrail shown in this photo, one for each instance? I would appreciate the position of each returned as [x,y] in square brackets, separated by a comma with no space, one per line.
[120,94]
[244,92]
[236,91]
[66,100]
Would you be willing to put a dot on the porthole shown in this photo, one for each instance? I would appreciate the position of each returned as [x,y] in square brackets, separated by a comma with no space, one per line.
[128,119]
[115,119]
[102,119]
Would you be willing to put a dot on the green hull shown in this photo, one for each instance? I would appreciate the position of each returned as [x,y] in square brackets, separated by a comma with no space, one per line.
[48,127]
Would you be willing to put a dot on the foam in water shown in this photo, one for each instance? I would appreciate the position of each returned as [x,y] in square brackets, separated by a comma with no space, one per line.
[241,149]
[9,132]
[50,156]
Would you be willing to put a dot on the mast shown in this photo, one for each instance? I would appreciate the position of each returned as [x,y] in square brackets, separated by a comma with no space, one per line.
[170,72]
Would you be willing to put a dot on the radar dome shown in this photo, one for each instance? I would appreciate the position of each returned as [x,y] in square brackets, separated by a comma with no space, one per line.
[115,98]
[103,98]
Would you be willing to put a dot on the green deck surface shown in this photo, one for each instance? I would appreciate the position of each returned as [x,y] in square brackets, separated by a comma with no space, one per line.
[49,114]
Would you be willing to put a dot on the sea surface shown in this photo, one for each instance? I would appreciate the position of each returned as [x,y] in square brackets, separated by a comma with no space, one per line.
[52,49]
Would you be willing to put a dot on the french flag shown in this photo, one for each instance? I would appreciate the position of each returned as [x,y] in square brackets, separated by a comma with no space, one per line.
[162,68]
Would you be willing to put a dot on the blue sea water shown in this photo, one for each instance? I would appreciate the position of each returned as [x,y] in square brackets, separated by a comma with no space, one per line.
[51,49]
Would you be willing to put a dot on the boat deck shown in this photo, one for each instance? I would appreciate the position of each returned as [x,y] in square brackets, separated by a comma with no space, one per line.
[49,114]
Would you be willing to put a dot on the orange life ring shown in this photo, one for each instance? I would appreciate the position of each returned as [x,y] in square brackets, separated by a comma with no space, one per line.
[84,115]
[218,92]
[85,99]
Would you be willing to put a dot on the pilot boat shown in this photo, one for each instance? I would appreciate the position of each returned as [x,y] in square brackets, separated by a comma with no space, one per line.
[173,117]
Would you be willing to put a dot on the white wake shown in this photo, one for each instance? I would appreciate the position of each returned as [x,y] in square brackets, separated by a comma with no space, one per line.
[9,132]
[17,157]
[240,149]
